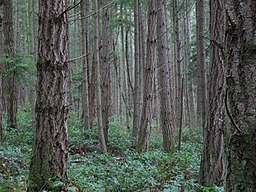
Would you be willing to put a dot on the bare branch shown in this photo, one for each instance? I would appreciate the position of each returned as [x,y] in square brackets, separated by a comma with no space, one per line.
[76,58]
[69,8]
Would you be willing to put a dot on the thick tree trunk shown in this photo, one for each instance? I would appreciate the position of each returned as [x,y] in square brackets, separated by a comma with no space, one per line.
[241,92]
[166,108]
[212,170]
[49,156]
[146,117]
[9,54]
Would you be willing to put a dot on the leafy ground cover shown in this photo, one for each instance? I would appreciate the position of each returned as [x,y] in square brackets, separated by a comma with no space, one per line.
[121,169]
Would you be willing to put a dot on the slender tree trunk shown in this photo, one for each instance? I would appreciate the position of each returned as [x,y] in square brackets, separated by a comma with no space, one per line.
[9,54]
[105,69]
[103,145]
[146,118]
[1,70]
[92,93]
[212,170]
[181,112]
[201,83]
[137,56]
[130,88]
[85,47]
[241,93]
[17,28]
[177,57]
[32,52]
[166,108]
[49,156]
[124,79]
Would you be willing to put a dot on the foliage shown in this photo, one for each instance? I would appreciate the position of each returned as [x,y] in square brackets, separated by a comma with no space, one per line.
[152,171]
[121,169]
[24,68]
[14,160]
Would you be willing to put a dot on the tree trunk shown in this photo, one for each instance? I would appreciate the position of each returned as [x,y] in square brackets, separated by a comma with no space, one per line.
[1,71]
[177,58]
[136,96]
[241,92]
[201,82]
[146,118]
[125,62]
[137,71]
[166,108]
[92,93]
[49,156]
[105,69]
[32,52]
[103,145]
[9,54]
[212,170]
[85,47]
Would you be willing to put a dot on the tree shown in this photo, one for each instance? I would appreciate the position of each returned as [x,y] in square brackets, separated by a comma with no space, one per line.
[177,61]
[105,69]
[201,82]
[49,156]
[85,61]
[212,171]
[166,108]
[241,92]
[1,70]
[103,144]
[32,51]
[10,64]
[146,117]
[138,63]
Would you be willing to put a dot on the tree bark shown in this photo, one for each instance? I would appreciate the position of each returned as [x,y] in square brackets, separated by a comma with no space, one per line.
[9,54]
[85,62]
[1,70]
[92,93]
[166,108]
[105,69]
[32,52]
[201,82]
[146,118]
[136,96]
[212,170]
[241,92]
[177,58]
[102,141]
[137,66]
[49,156]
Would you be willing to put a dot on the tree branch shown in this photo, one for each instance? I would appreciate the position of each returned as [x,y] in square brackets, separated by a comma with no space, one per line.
[69,8]
[76,58]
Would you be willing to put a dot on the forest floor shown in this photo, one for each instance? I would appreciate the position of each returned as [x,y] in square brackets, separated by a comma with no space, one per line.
[121,169]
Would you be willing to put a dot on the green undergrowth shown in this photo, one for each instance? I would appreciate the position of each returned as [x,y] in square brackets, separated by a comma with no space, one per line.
[121,169]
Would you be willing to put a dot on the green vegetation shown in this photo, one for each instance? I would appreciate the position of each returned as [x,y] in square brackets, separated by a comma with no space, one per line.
[122,169]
